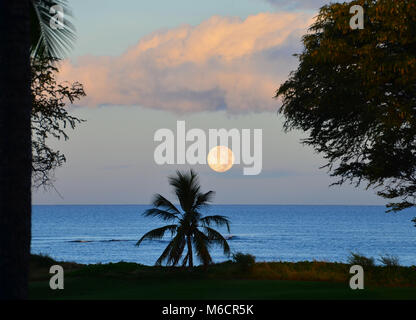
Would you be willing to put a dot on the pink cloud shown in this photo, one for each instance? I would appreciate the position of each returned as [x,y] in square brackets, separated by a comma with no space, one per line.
[222,63]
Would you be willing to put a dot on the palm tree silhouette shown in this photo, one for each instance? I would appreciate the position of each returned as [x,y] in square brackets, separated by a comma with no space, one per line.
[26,34]
[191,227]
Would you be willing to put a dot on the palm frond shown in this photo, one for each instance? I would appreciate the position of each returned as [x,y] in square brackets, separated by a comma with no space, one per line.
[174,249]
[158,233]
[217,220]
[203,199]
[178,245]
[216,237]
[186,187]
[160,201]
[164,254]
[47,41]
[185,260]
[162,214]
[202,245]
[191,218]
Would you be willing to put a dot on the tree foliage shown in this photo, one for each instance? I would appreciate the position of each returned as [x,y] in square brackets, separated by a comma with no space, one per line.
[46,41]
[50,118]
[189,228]
[354,94]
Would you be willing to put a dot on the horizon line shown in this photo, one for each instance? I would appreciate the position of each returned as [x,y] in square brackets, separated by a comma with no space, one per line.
[213,204]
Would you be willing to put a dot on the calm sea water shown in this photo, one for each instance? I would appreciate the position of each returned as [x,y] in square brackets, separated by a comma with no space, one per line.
[93,234]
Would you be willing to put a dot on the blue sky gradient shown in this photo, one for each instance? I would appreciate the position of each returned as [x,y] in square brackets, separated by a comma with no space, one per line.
[110,157]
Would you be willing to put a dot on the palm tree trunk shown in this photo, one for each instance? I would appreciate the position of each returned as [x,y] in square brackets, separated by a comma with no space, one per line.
[190,259]
[15,149]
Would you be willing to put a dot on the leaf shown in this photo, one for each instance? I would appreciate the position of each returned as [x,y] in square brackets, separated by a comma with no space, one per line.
[46,41]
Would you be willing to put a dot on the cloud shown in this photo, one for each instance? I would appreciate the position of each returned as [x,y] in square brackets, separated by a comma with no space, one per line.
[222,63]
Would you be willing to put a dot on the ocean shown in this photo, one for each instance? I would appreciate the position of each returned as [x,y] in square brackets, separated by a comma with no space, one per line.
[108,233]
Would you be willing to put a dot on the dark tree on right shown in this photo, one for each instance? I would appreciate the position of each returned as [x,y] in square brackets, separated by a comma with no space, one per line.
[354,94]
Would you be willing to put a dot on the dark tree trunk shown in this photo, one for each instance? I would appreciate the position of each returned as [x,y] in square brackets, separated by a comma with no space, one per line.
[190,260]
[15,149]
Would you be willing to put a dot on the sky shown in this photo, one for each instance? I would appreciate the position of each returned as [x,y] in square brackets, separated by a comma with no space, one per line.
[214,64]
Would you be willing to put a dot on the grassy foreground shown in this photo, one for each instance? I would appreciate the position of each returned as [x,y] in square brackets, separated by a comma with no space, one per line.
[276,280]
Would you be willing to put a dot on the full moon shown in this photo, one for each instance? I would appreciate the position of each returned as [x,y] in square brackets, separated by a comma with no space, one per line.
[220,158]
